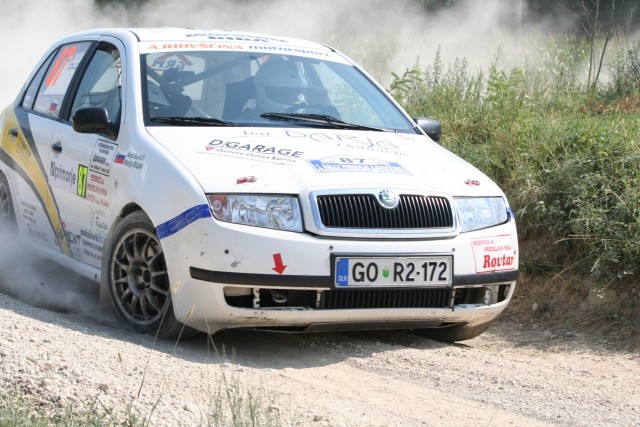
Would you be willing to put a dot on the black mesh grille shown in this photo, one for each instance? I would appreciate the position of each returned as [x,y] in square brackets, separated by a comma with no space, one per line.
[363,211]
[385,298]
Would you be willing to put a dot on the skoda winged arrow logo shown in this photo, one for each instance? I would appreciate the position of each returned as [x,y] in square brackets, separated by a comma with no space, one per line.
[388,199]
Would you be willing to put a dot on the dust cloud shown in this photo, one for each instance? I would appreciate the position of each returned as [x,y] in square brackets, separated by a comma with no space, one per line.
[380,35]
[383,36]
[41,283]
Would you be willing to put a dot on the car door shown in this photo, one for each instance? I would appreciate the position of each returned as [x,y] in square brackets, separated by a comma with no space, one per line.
[80,163]
[37,115]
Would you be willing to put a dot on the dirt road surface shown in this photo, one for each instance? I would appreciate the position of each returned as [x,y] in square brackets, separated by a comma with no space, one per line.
[511,375]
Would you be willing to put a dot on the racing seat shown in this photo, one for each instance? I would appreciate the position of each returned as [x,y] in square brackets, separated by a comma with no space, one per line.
[236,95]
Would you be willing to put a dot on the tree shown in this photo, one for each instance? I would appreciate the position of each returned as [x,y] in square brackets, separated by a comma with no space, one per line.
[599,20]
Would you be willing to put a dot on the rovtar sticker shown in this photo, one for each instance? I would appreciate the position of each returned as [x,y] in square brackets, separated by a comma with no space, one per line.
[493,253]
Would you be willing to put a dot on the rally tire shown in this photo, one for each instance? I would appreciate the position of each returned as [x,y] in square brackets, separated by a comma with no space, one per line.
[453,333]
[138,280]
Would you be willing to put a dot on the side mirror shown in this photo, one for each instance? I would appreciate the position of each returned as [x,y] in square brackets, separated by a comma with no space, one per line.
[431,127]
[94,120]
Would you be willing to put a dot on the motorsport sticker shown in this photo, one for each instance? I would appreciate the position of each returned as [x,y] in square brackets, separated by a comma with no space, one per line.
[350,140]
[23,149]
[237,36]
[91,245]
[28,212]
[296,51]
[73,239]
[257,152]
[493,253]
[98,221]
[63,174]
[34,231]
[83,172]
[372,145]
[356,164]
[97,189]
[102,157]
[130,160]
[148,47]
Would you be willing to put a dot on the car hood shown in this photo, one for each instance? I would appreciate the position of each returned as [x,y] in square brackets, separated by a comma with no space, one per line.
[290,160]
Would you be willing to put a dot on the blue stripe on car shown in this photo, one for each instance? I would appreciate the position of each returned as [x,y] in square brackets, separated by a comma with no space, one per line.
[176,224]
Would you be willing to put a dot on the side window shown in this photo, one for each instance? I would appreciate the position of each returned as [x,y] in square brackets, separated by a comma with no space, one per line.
[101,82]
[58,77]
[32,89]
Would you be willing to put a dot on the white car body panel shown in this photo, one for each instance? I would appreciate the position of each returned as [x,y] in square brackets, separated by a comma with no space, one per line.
[68,203]
[308,155]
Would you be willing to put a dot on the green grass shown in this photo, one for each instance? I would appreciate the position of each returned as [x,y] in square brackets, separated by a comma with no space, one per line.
[22,411]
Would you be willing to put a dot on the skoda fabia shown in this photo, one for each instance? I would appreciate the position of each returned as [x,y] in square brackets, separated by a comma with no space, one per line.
[217,179]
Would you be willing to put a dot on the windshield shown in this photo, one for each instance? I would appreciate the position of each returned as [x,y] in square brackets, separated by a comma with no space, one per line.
[241,88]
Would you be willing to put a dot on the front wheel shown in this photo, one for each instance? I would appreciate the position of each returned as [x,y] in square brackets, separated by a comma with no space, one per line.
[138,279]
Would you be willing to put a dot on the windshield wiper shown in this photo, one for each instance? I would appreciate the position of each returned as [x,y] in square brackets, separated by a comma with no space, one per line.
[320,119]
[193,121]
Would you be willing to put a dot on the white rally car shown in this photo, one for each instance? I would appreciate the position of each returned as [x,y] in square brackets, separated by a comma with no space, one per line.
[217,179]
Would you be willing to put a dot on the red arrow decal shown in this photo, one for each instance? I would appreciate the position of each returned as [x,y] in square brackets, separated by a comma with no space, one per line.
[279,268]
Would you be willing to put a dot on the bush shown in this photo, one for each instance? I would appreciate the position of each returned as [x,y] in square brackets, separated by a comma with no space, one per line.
[592,198]
[625,72]
[566,156]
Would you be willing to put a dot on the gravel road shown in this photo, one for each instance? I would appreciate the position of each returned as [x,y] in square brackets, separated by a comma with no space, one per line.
[58,349]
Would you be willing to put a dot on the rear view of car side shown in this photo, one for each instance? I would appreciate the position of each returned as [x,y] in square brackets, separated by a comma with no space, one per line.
[220,179]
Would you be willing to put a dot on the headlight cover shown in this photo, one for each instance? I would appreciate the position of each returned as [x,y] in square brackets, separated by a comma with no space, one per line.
[475,213]
[279,212]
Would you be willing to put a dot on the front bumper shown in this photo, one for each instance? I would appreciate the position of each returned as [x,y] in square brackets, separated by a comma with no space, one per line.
[216,314]
[225,279]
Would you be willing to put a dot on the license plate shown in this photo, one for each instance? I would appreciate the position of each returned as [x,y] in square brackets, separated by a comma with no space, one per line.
[392,271]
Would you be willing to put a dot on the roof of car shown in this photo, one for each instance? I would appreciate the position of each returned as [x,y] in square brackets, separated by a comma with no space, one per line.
[194,35]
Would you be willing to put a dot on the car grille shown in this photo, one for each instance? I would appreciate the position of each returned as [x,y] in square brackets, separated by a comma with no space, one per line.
[385,298]
[345,299]
[363,211]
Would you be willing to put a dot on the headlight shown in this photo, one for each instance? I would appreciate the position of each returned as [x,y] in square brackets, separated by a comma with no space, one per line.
[270,211]
[475,213]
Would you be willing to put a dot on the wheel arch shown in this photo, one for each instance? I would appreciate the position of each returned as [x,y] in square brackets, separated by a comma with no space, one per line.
[138,267]
[105,298]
